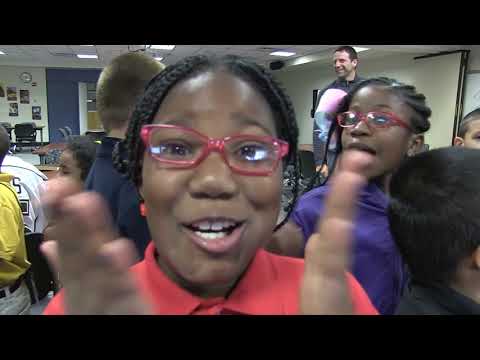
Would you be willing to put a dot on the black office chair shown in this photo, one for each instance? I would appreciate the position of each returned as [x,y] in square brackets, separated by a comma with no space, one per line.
[307,163]
[39,278]
[25,133]
[64,134]
[69,130]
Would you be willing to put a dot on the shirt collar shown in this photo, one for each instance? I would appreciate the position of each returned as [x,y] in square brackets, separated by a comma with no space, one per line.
[355,80]
[105,149]
[4,177]
[251,296]
[455,302]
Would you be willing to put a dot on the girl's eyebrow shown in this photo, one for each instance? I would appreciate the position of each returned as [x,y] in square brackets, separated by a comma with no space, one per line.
[242,119]
[385,106]
[180,119]
[245,120]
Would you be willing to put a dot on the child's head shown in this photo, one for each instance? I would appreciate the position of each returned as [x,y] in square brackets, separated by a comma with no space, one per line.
[395,117]
[208,219]
[119,86]
[4,143]
[469,131]
[434,214]
[77,158]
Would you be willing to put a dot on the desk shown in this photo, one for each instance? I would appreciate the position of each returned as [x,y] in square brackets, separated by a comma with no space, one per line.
[37,127]
[49,170]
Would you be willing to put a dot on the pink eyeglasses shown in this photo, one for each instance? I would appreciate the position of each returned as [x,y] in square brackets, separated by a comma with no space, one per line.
[183,148]
[373,119]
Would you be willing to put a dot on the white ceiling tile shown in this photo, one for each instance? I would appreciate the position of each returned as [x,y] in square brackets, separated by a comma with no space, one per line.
[59,49]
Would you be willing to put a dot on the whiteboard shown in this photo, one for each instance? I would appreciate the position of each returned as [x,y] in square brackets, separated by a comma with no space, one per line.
[471,100]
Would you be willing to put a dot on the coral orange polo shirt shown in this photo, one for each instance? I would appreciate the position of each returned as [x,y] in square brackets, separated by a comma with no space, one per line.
[270,286]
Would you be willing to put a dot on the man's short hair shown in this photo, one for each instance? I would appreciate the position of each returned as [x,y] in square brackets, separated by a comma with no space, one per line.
[464,124]
[120,84]
[350,50]
[433,212]
[4,143]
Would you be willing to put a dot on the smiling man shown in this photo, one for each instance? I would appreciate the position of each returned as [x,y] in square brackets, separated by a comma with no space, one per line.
[345,62]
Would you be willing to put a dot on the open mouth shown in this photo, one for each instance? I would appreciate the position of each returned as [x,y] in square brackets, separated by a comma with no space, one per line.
[361,147]
[215,235]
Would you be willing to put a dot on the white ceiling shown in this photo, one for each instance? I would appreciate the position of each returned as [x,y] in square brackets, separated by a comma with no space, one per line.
[65,55]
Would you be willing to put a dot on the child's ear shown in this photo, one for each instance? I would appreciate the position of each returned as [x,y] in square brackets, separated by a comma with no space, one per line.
[415,144]
[458,141]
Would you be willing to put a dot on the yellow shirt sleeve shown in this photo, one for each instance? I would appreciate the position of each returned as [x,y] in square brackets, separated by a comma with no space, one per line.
[9,234]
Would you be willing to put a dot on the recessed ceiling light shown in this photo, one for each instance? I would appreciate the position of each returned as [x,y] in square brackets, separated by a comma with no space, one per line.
[360,49]
[158,58]
[282,53]
[85,56]
[89,100]
[2,53]
[87,45]
[162,47]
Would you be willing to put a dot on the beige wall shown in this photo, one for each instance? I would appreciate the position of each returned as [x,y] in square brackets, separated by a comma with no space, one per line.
[10,77]
[436,77]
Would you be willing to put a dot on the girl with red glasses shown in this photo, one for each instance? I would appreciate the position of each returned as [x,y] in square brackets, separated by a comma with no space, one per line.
[207,145]
[385,119]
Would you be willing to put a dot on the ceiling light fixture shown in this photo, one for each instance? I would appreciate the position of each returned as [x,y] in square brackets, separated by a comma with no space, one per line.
[162,47]
[360,49]
[85,56]
[282,53]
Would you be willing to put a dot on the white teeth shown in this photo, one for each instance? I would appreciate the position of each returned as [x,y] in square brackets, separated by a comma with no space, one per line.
[210,236]
[204,225]
[215,226]
[218,226]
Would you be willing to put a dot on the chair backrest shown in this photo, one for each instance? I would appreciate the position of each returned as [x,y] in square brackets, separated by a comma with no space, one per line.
[26,130]
[69,130]
[42,275]
[64,133]
[307,163]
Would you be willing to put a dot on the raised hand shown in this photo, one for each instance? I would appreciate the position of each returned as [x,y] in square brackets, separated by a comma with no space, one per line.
[90,259]
[327,254]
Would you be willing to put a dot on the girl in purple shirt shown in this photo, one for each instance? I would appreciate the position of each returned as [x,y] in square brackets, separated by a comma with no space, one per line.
[387,119]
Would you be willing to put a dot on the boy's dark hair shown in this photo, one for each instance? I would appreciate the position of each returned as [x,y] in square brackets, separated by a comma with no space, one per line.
[352,53]
[187,68]
[4,143]
[83,150]
[464,124]
[120,84]
[433,212]
[407,93]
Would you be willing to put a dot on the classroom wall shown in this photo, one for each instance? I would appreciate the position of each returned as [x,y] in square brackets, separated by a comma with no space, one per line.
[437,79]
[63,98]
[10,77]
[474,59]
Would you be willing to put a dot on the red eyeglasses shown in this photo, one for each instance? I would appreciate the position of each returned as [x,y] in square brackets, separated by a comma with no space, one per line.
[373,119]
[182,148]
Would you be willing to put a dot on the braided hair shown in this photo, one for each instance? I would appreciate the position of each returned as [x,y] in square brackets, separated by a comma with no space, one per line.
[128,154]
[407,93]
